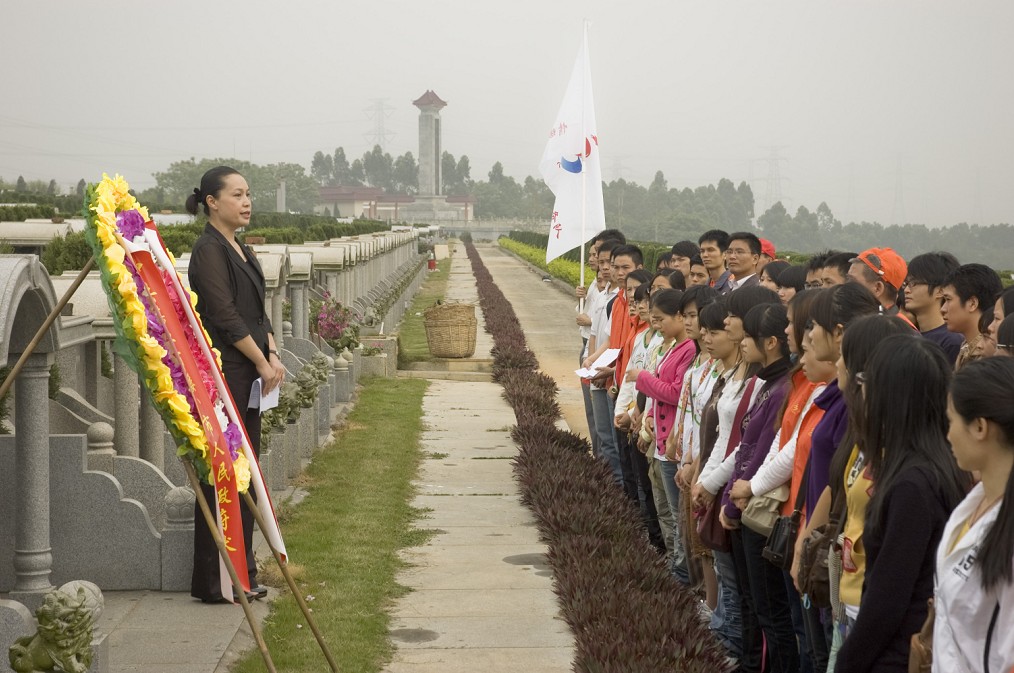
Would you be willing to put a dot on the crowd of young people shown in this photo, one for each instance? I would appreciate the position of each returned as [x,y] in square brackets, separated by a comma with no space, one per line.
[862,402]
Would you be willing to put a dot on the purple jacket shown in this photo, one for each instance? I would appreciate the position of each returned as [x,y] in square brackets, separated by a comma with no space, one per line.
[760,428]
[825,439]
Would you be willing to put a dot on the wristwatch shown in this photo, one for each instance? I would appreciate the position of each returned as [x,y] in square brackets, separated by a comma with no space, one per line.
[270,351]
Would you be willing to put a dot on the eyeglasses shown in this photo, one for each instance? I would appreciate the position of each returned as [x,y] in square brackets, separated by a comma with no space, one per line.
[912,282]
[813,285]
[737,252]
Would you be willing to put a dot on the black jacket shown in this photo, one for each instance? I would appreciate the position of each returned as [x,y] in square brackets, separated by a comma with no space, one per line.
[230,294]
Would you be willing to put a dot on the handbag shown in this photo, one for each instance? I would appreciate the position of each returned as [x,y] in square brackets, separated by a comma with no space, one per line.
[710,529]
[762,510]
[920,655]
[814,571]
[781,544]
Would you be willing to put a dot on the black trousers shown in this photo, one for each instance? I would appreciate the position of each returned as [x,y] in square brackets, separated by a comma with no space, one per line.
[204,582]
[763,595]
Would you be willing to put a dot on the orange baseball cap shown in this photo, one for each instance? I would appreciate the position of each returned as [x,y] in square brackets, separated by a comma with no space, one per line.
[767,248]
[886,263]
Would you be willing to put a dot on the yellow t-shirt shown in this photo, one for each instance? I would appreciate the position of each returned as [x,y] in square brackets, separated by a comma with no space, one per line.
[858,489]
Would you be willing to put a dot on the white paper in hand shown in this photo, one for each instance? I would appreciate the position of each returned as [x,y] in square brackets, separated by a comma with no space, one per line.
[264,402]
[607,358]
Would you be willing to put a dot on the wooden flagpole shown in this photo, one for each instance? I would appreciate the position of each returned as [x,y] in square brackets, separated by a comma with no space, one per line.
[252,506]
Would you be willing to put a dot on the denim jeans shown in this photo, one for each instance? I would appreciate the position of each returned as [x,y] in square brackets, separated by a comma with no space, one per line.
[668,469]
[726,621]
[602,405]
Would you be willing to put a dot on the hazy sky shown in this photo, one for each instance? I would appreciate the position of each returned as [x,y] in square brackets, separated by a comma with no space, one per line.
[890,111]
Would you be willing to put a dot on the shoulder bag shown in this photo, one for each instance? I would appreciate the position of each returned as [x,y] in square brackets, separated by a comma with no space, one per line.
[781,542]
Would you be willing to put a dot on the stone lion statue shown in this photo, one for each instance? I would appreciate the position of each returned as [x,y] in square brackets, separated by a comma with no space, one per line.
[64,639]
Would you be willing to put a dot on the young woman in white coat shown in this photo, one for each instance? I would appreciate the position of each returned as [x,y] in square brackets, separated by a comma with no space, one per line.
[974,595]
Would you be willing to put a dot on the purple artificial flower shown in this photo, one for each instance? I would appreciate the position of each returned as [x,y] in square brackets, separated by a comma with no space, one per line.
[130,223]
[234,438]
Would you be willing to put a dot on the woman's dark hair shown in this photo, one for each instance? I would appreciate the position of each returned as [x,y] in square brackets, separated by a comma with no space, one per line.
[765,321]
[641,292]
[842,304]
[794,277]
[1006,301]
[905,402]
[800,305]
[212,183]
[677,279]
[860,341]
[986,319]
[698,295]
[1005,335]
[712,316]
[774,269]
[740,301]
[667,301]
[639,275]
[985,389]
[661,274]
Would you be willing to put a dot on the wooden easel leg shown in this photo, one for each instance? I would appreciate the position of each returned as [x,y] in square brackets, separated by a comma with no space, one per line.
[292,584]
[213,526]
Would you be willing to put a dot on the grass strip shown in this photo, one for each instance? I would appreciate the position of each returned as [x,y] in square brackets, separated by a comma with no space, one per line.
[345,536]
[412,346]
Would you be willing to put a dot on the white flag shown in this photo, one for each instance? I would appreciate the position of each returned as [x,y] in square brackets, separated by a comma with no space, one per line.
[570,165]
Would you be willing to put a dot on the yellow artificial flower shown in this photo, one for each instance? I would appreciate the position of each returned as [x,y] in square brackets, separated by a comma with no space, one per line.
[241,467]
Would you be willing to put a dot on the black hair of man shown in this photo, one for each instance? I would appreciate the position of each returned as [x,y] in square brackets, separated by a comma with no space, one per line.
[614,234]
[663,260]
[818,260]
[608,245]
[841,261]
[975,280]
[932,268]
[696,261]
[631,251]
[718,237]
[686,249]
[750,239]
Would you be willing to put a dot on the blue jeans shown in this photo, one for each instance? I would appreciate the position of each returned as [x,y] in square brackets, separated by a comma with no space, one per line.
[603,407]
[672,494]
[726,621]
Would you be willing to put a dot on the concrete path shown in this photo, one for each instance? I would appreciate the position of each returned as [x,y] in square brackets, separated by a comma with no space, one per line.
[481,595]
[547,316]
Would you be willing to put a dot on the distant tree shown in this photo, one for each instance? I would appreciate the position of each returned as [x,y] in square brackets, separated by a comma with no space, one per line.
[357,173]
[341,171]
[52,189]
[322,168]
[378,167]
[21,186]
[495,174]
[406,174]
[81,185]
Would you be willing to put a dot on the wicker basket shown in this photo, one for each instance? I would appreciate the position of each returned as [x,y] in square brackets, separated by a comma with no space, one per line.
[451,338]
[453,311]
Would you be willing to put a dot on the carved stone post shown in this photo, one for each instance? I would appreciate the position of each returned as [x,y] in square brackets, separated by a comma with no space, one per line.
[152,429]
[33,556]
[126,399]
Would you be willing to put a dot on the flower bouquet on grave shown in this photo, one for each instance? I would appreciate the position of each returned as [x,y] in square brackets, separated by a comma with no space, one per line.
[161,337]
[335,323]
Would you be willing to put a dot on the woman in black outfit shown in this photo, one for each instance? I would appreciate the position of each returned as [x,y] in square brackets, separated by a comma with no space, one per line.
[229,285]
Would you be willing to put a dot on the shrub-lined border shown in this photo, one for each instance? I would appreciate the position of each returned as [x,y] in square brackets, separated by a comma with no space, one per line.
[624,608]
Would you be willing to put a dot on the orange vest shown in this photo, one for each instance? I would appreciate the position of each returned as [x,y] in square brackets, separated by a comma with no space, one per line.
[622,324]
[802,389]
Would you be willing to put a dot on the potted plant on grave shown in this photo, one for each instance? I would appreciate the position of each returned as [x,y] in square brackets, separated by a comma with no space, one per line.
[335,323]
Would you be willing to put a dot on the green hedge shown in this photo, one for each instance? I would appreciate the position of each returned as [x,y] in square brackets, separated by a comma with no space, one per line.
[566,270]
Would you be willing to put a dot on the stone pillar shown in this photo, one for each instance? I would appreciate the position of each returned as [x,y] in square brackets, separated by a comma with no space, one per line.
[93,371]
[126,400]
[33,556]
[300,311]
[429,105]
[100,447]
[277,313]
[178,539]
[152,429]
